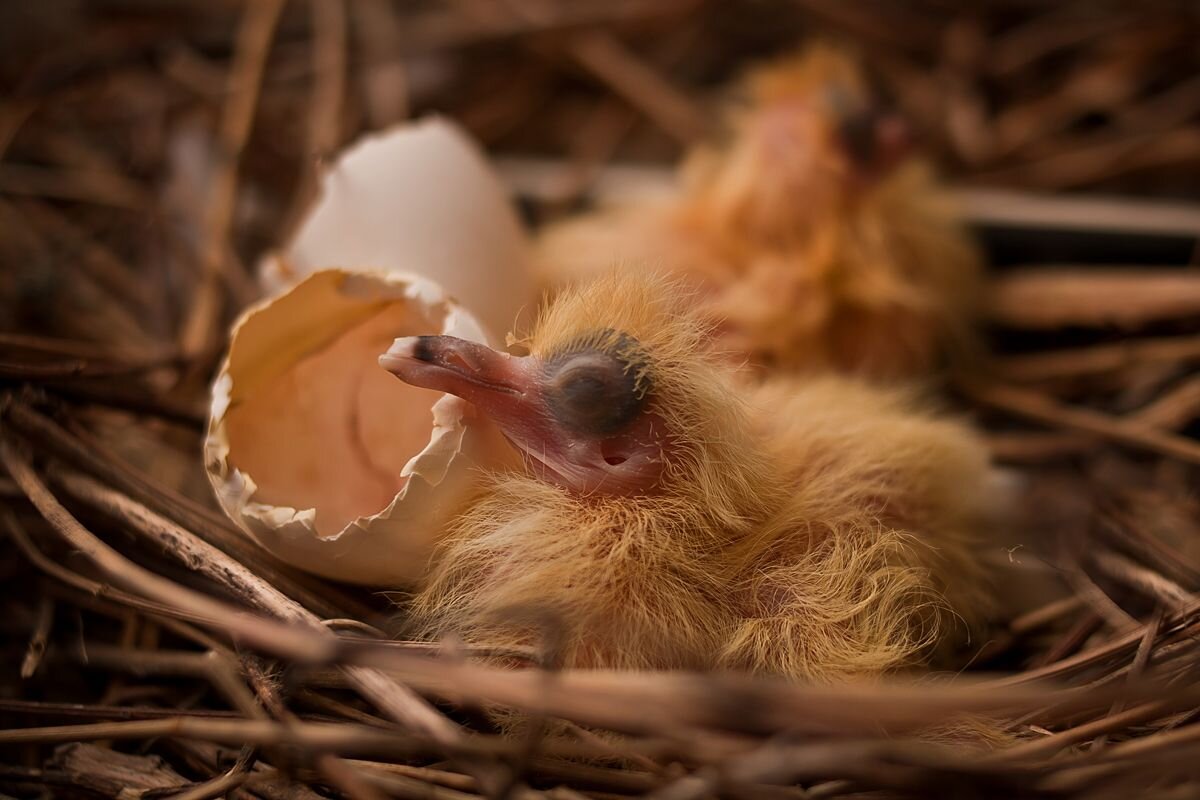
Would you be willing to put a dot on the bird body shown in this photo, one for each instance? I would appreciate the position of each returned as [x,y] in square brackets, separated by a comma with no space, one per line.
[669,517]
[813,236]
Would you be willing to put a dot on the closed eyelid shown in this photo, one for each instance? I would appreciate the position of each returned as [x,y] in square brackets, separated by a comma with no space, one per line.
[593,393]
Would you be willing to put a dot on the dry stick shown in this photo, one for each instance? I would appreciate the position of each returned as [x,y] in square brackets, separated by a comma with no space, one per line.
[340,737]
[439,777]
[591,697]
[92,456]
[119,278]
[37,642]
[1048,613]
[1116,719]
[77,348]
[114,774]
[328,23]
[275,637]
[120,601]
[114,395]
[44,708]
[399,702]
[1144,580]
[1173,409]
[1034,405]
[192,552]
[1036,447]
[329,76]
[408,788]
[1051,298]
[199,331]
[234,777]
[346,778]
[1102,605]
[1099,359]
[1140,659]
[629,77]
[1089,657]
[385,82]
[84,185]
[214,666]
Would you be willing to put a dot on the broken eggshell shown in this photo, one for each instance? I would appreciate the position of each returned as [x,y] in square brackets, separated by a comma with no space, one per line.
[324,458]
[314,450]
[420,198]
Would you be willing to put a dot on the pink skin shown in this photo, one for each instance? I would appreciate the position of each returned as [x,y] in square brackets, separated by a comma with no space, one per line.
[509,390]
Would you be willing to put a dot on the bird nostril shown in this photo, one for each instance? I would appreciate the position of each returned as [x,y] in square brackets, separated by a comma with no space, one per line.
[610,455]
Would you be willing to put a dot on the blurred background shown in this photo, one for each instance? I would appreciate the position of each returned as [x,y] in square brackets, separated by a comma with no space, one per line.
[129,128]
[151,151]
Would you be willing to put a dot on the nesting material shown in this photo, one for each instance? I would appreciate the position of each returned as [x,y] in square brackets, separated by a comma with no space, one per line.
[325,459]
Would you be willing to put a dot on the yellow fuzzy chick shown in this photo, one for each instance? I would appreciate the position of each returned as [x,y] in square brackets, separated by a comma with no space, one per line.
[815,238]
[816,529]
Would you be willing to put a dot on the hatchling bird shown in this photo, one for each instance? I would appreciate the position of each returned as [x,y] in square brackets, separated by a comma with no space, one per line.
[814,235]
[668,516]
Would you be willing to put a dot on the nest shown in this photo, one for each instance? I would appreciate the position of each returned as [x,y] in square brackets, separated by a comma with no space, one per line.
[149,152]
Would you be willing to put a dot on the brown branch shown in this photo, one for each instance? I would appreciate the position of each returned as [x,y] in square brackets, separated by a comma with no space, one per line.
[199,331]
[1147,581]
[279,638]
[194,553]
[1049,298]
[37,642]
[1099,359]
[91,455]
[1036,406]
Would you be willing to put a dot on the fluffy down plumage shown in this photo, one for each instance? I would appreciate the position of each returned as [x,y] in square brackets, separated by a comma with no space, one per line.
[814,528]
[813,236]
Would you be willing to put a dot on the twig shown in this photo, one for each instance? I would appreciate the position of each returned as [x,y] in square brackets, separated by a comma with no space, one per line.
[194,553]
[1140,659]
[93,456]
[37,642]
[397,701]
[1033,405]
[1147,581]
[222,784]
[89,186]
[279,638]
[199,331]
[1099,359]
[1060,297]
[629,77]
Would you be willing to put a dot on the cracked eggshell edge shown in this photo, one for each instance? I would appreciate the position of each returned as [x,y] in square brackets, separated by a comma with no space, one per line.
[393,546]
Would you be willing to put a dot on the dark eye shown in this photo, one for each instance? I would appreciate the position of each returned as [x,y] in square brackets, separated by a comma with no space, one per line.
[595,391]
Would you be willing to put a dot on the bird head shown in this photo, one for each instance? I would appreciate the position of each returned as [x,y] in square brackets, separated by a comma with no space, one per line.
[810,133]
[614,397]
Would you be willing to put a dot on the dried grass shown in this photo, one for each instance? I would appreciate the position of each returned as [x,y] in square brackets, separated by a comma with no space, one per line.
[149,152]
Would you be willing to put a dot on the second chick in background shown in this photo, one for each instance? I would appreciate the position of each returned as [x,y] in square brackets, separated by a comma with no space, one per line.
[814,236]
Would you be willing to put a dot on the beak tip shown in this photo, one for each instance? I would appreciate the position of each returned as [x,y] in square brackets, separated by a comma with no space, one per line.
[401,352]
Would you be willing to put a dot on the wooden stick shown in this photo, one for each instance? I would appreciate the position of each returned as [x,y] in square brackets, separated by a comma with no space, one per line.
[279,638]
[199,332]
[1036,406]
[1099,359]
[1060,297]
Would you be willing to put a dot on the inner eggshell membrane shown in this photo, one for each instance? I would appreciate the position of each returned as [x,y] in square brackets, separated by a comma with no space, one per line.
[333,431]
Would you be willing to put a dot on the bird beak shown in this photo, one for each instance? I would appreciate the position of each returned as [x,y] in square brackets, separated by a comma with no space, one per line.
[493,381]
[876,140]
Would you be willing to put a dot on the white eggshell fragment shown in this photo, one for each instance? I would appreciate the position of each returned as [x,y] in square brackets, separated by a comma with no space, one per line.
[419,198]
[323,457]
